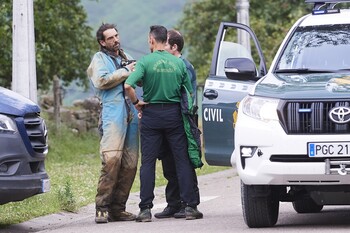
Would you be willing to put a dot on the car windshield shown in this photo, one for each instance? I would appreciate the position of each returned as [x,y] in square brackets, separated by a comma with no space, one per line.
[325,47]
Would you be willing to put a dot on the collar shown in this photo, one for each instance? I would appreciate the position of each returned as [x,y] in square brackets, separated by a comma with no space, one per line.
[109,53]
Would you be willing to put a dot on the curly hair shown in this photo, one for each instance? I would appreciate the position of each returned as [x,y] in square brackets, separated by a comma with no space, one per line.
[102,28]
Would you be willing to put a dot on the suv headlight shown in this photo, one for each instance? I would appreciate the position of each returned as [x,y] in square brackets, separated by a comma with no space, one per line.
[7,125]
[264,109]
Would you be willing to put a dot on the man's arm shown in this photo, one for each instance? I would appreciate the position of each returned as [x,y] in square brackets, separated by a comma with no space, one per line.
[130,92]
[187,80]
[100,76]
[192,75]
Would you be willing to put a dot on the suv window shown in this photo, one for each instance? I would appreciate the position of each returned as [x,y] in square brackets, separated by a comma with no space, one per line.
[230,50]
[235,43]
[318,47]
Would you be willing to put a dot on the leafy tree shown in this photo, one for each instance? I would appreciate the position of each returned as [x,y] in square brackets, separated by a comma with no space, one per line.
[5,44]
[270,20]
[63,41]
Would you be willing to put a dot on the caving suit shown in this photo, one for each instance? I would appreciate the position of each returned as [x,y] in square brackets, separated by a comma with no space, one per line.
[118,125]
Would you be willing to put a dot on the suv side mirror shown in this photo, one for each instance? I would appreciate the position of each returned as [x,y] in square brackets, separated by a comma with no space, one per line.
[240,69]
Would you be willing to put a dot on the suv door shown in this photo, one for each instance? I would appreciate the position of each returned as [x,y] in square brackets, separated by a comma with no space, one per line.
[226,85]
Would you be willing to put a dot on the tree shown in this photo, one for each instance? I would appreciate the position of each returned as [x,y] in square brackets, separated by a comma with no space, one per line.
[270,20]
[5,44]
[64,43]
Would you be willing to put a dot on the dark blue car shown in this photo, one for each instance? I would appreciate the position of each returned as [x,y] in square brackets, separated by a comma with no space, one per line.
[23,148]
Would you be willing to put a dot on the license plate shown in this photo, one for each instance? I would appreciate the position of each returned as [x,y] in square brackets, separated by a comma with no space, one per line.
[328,149]
[45,185]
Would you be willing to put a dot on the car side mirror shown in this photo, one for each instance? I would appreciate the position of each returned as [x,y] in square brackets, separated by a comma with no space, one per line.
[240,69]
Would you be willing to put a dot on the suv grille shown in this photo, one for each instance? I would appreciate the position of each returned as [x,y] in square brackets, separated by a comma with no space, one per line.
[37,133]
[311,117]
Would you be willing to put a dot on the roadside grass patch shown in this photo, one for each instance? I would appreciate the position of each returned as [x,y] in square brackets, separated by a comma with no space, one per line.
[66,197]
[73,165]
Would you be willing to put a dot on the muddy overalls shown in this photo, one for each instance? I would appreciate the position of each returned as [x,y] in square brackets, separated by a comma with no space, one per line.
[119,143]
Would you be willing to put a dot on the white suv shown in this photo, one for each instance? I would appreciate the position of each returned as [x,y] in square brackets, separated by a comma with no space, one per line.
[291,136]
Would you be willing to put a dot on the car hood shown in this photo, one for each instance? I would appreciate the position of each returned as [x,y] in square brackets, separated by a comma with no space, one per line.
[304,86]
[12,103]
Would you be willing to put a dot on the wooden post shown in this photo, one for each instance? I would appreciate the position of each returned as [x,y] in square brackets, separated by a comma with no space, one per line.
[57,101]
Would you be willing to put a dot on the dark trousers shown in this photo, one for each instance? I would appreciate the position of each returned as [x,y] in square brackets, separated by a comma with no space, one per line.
[158,122]
[172,190]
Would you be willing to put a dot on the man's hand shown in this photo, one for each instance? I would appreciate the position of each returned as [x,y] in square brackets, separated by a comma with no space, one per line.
[140,105]
[130,92]
[131,66]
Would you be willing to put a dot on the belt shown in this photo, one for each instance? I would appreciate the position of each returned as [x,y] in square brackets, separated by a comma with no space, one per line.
[161,105]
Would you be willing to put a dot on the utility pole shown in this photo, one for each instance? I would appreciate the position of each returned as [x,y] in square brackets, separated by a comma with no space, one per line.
[243,18]
[23,50]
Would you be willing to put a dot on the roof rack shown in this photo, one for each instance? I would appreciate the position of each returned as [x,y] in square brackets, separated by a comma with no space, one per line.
[328,4]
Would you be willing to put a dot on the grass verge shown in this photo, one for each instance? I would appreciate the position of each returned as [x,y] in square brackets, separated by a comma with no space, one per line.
[73,165]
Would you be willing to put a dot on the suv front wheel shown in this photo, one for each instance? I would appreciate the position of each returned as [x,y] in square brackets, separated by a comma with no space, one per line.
[259,204]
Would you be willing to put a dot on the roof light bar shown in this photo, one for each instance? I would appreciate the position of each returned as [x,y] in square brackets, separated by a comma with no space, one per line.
[326,1]
[326,11]
[328,4]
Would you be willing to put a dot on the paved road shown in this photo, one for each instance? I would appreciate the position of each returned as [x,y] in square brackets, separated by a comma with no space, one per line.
[220,196]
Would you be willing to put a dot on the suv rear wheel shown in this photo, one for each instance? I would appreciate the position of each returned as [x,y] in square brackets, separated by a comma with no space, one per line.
[260,207]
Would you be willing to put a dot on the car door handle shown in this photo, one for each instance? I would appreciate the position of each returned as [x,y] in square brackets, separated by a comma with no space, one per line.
[210,94]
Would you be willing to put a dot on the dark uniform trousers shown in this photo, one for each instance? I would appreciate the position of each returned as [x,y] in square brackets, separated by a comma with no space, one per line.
[158,122]
[172,191]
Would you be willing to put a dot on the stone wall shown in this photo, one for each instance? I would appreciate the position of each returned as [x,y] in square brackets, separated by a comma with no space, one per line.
[83,116]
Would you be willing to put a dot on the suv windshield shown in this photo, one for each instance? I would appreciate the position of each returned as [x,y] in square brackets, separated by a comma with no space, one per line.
[325,47]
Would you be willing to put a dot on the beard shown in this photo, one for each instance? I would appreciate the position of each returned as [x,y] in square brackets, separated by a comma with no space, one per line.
[113,48]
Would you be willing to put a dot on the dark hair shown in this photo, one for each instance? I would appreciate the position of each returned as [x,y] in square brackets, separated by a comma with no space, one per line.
[159,33]
[175,37]
[102,28]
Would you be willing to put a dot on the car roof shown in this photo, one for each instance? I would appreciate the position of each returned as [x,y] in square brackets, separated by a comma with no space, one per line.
[327,19]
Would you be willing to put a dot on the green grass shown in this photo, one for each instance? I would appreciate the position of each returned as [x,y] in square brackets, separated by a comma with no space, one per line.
[73,165]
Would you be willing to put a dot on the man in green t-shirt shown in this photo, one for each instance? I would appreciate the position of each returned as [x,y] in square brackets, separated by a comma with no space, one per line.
[162,75]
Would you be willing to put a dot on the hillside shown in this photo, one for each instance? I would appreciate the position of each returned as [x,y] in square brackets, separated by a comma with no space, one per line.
[133,18]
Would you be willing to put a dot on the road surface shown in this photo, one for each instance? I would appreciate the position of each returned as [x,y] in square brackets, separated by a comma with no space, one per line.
[220,204]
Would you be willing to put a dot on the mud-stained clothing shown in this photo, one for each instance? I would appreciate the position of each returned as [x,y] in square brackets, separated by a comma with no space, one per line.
[119,143]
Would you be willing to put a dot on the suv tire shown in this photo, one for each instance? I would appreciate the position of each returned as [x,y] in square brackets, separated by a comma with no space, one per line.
[260,207]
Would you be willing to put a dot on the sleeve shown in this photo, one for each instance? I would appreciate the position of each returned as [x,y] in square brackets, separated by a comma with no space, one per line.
[193,78]
[136,76]
[192,75]
[186,79]
[100,75]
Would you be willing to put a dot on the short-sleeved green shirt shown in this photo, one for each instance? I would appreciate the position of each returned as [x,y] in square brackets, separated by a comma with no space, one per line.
[161,74]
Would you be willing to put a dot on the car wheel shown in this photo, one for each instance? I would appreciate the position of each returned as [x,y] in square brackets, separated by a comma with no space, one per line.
[306,206]
[260,207]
